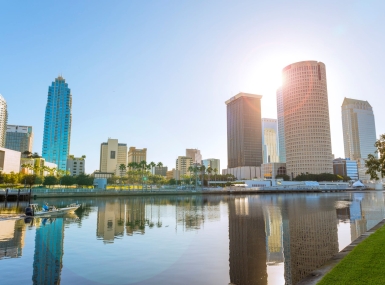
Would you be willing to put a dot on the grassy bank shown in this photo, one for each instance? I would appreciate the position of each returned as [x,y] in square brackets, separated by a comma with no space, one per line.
[364,265]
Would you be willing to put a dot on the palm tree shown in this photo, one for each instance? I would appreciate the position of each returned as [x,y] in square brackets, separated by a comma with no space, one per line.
[209,170]
[159,164]
[202,170]
[215,172]
[152,165]
[142,166]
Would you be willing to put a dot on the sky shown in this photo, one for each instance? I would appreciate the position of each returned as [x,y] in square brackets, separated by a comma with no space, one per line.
[156,74]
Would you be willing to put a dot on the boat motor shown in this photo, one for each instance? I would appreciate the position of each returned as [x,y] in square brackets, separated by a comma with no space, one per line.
[29,211]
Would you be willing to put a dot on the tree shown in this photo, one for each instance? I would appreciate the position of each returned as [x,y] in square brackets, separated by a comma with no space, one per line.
[35,155]
[215,172]
[84,180]
[68,180]
[285,177]
[374,164]
[202,170]
[159,164]
[50,180]
[122,169]
[209,170]
[30,179]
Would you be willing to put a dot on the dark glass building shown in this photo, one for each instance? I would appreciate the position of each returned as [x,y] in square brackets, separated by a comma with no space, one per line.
[57,123]
[244,130]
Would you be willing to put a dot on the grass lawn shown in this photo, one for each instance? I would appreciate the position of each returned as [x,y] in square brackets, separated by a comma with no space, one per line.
[364,265]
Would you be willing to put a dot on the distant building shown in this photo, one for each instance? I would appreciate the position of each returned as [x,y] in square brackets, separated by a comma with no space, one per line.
[137,155]
[281,127]
[214,163]
[112,154]
[76,165]
[38,166]
[182,165]
[359,132]
[270,140]
[195,154]
[170,174]
[57,123]
[244,130]
[3,120]
[345,167]
[306,118]
[160,170]
[19,138]
[271,170]
[9,160]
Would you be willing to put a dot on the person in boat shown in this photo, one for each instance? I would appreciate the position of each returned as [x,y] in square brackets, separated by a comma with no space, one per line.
[45,207]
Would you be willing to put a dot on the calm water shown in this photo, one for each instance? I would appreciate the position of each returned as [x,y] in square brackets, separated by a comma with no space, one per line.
[253,239]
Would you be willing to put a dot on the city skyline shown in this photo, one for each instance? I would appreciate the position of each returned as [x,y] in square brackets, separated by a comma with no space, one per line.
[179,81]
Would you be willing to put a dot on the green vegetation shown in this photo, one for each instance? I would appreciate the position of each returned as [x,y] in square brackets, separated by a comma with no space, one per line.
[364,265]
[285,177]
[321,177]
[374,164]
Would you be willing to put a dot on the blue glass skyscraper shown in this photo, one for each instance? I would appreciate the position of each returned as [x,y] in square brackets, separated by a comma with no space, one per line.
[57,123]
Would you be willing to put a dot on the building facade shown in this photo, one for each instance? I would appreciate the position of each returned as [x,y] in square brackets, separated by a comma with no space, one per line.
[345,167]
[57,123]
[3,120]
[137,155]
[244,130]
[272,169]
[270,140]
[9,160]
[19,138]
[162,171]
[214,163]
[112,154]
[306,119]
[76,165]
[195,154]
[244,172]
[359,128]
[281,127]
[182,165]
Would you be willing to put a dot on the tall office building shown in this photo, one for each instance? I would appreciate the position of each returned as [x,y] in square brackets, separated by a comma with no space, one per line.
[270,140]
[281,127]
[195,154]
[112,154]
[244,130]
[306,119]
[3,120]
[358,128]
[57,123]
[182,165]
[137,155]
[19,138]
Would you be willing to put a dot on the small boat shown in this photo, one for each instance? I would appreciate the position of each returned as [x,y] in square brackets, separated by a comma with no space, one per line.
[52,211]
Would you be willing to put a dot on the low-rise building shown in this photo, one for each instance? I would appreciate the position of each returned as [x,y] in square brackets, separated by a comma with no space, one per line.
[76,165]
[346,167]
[38,166]
[244,172]
[159,170]
[9,160]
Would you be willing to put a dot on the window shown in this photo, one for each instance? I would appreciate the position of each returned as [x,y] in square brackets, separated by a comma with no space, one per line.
[112,154]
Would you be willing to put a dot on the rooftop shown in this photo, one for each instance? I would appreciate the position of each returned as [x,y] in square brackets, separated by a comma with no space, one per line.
[239,95]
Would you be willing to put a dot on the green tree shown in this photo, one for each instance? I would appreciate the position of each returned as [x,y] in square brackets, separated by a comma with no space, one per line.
[84,180]
[209,170]
[215,174]
[68,180]
[50,180]
[376,166]
[285,177]
[30,179]
[122,169]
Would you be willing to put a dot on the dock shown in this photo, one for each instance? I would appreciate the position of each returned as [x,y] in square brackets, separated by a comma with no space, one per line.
[14,195]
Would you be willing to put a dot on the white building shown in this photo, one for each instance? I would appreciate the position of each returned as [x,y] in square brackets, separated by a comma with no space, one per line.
[3,120]
[9,160]
[270,140]
[76,165]
[281,127]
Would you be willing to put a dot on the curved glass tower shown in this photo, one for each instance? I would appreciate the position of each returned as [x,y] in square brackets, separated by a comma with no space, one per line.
[57,123]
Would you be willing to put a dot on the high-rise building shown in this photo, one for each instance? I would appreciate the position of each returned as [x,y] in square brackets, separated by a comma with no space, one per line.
[112,155]
[182,165]
[345,167]
[358,128]
[137,155]
[3,120]
[214,163]
[57,123]
[76,165]
[281,127]
[19,138]
[306,119]
[244,130]
[270,140]
[195,154]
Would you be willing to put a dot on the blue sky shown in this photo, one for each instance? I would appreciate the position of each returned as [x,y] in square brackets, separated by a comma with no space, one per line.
[156,74]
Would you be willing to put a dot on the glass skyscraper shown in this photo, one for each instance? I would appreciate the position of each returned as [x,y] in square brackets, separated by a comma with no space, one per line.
[19,138]
[3,120]
[57,123]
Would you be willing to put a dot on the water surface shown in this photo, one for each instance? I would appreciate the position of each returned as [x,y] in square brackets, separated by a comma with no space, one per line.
[250,239]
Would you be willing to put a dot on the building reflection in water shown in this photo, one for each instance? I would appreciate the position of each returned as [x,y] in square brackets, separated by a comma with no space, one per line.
[48,256]
[247,241]
[12,237]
